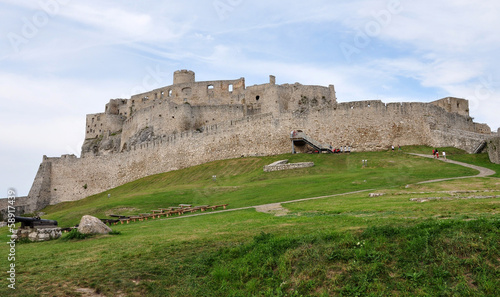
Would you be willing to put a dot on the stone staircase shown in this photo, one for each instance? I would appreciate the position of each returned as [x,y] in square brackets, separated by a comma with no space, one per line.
[480,147]
[300,137]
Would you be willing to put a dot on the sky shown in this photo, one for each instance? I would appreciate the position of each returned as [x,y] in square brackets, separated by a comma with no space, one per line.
[63,59]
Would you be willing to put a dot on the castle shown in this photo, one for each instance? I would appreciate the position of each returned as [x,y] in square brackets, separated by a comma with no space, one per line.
[190,123]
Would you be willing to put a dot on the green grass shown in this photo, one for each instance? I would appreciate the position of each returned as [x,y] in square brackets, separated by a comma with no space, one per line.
[478,159]
[344,245]
[242,182]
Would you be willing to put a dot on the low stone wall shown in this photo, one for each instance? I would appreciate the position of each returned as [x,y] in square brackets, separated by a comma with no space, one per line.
[38,234]
[21,206]
[467,141]
[284,165]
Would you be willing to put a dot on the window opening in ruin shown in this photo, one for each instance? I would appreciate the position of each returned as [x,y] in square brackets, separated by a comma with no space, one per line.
[173,117]
[352,107]
[257,98]
[92,120]
[230,88]
[156,96]
[368,105]
[210,87]
[169,93]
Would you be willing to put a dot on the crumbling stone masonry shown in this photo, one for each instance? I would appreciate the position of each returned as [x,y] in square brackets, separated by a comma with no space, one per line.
[494,149]
[189,123]
[284,165]
[38,234]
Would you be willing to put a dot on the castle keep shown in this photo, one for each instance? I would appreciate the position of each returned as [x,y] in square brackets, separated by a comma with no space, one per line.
[190,123]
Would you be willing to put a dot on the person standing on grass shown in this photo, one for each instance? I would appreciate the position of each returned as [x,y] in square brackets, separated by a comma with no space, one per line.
[437,154]
[444,155]
[434,153]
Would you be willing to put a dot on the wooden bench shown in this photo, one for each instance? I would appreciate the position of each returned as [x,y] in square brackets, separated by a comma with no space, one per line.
[135,218]
[118,216]
[109,221]
[157,213]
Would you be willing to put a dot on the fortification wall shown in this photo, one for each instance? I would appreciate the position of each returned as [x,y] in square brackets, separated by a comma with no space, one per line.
[21,206]
[76,178]
[364,125]
[169,118]
[100,124]
[452,104]
[195,93]
[468,141]
[494,149]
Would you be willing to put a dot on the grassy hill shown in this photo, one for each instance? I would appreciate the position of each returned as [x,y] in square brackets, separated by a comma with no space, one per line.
[349,245]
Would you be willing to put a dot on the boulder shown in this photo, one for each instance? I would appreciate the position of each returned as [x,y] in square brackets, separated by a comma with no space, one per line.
[92,225]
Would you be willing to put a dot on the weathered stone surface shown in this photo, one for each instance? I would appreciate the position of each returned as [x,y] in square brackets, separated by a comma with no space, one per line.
[284,165]
[38,234]
[92,225]
[494,150]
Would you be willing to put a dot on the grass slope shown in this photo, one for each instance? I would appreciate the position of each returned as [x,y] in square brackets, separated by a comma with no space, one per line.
[348,245]
[242,182]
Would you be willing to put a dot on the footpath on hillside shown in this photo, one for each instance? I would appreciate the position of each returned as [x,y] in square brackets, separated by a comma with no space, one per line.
[276,207]
[483,172]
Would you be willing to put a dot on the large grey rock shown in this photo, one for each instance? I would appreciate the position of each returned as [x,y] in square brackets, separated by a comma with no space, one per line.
[92,225]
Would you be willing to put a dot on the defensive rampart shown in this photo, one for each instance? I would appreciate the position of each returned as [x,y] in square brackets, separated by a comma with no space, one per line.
[494,149]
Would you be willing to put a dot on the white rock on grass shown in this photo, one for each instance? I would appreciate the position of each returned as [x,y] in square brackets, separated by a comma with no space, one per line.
[92,225]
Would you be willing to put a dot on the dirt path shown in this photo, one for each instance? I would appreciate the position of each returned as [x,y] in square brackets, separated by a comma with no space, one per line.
[278,209]
[483,172]
[275,208]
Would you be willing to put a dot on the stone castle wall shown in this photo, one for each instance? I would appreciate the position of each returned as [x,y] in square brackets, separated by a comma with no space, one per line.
[191,123]
[494,149]
[366,125]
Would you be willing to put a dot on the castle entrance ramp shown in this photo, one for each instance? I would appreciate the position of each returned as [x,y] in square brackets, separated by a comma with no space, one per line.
[299,138]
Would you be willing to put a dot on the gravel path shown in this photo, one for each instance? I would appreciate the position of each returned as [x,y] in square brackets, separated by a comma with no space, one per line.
[483,172]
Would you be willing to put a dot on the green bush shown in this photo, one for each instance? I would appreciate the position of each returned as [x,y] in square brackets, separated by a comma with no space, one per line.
[75,235]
